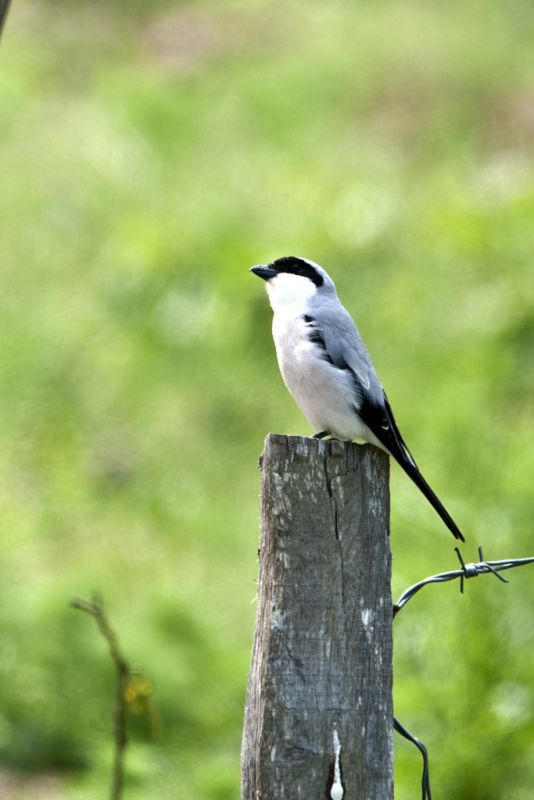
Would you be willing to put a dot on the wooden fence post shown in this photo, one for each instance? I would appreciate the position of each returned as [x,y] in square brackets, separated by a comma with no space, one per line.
[319,718]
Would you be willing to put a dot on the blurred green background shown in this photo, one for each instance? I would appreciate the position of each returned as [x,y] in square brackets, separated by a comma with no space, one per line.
[149,154]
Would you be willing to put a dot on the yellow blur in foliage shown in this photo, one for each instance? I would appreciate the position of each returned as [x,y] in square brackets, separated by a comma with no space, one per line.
[138,693]
[139,697]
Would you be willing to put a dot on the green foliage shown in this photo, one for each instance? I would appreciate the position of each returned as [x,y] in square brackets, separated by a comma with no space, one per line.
[150,153]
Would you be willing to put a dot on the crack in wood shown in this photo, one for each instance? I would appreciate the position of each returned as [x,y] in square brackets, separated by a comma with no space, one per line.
[315,662]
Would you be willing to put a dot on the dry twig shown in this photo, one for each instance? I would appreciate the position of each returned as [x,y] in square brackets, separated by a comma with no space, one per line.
[123,675]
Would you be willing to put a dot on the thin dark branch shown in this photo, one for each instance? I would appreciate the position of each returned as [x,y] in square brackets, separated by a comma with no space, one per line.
[123,673]
[4,8]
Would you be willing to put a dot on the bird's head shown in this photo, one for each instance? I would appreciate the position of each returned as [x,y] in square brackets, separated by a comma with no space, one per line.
[294,281]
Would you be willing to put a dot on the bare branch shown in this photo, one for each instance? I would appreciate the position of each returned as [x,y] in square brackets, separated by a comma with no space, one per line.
[123,673]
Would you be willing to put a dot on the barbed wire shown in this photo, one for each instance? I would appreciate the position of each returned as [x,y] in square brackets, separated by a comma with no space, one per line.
[466,571]
[426,792]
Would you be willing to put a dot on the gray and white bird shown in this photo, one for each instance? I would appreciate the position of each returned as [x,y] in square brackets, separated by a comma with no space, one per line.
[326,366]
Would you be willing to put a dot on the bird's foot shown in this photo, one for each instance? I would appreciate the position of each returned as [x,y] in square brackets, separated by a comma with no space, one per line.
[321,434]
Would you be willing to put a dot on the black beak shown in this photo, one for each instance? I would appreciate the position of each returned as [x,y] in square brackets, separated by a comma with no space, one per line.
[264,272]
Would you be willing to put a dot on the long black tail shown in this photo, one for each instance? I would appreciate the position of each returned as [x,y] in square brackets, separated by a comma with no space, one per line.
[379,418]
[412,470]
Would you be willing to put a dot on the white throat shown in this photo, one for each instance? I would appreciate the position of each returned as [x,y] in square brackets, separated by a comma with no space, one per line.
[289,294]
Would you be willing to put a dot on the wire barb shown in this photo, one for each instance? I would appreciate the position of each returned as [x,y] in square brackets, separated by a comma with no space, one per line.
[470,570]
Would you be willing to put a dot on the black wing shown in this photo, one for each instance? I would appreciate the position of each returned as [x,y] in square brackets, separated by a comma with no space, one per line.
[371,402]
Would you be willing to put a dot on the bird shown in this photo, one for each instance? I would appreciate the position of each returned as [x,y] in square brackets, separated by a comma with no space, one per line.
[327,368]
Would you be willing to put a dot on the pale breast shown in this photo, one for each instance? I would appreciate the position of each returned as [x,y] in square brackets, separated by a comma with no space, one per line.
[324,393]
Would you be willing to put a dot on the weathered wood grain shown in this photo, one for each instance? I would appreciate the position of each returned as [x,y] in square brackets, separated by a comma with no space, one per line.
[322,656]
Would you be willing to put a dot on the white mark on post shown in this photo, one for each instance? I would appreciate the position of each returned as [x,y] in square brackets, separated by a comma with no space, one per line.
[367,617]
[368,624]
[283,558]
[337,791]
[278,620]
